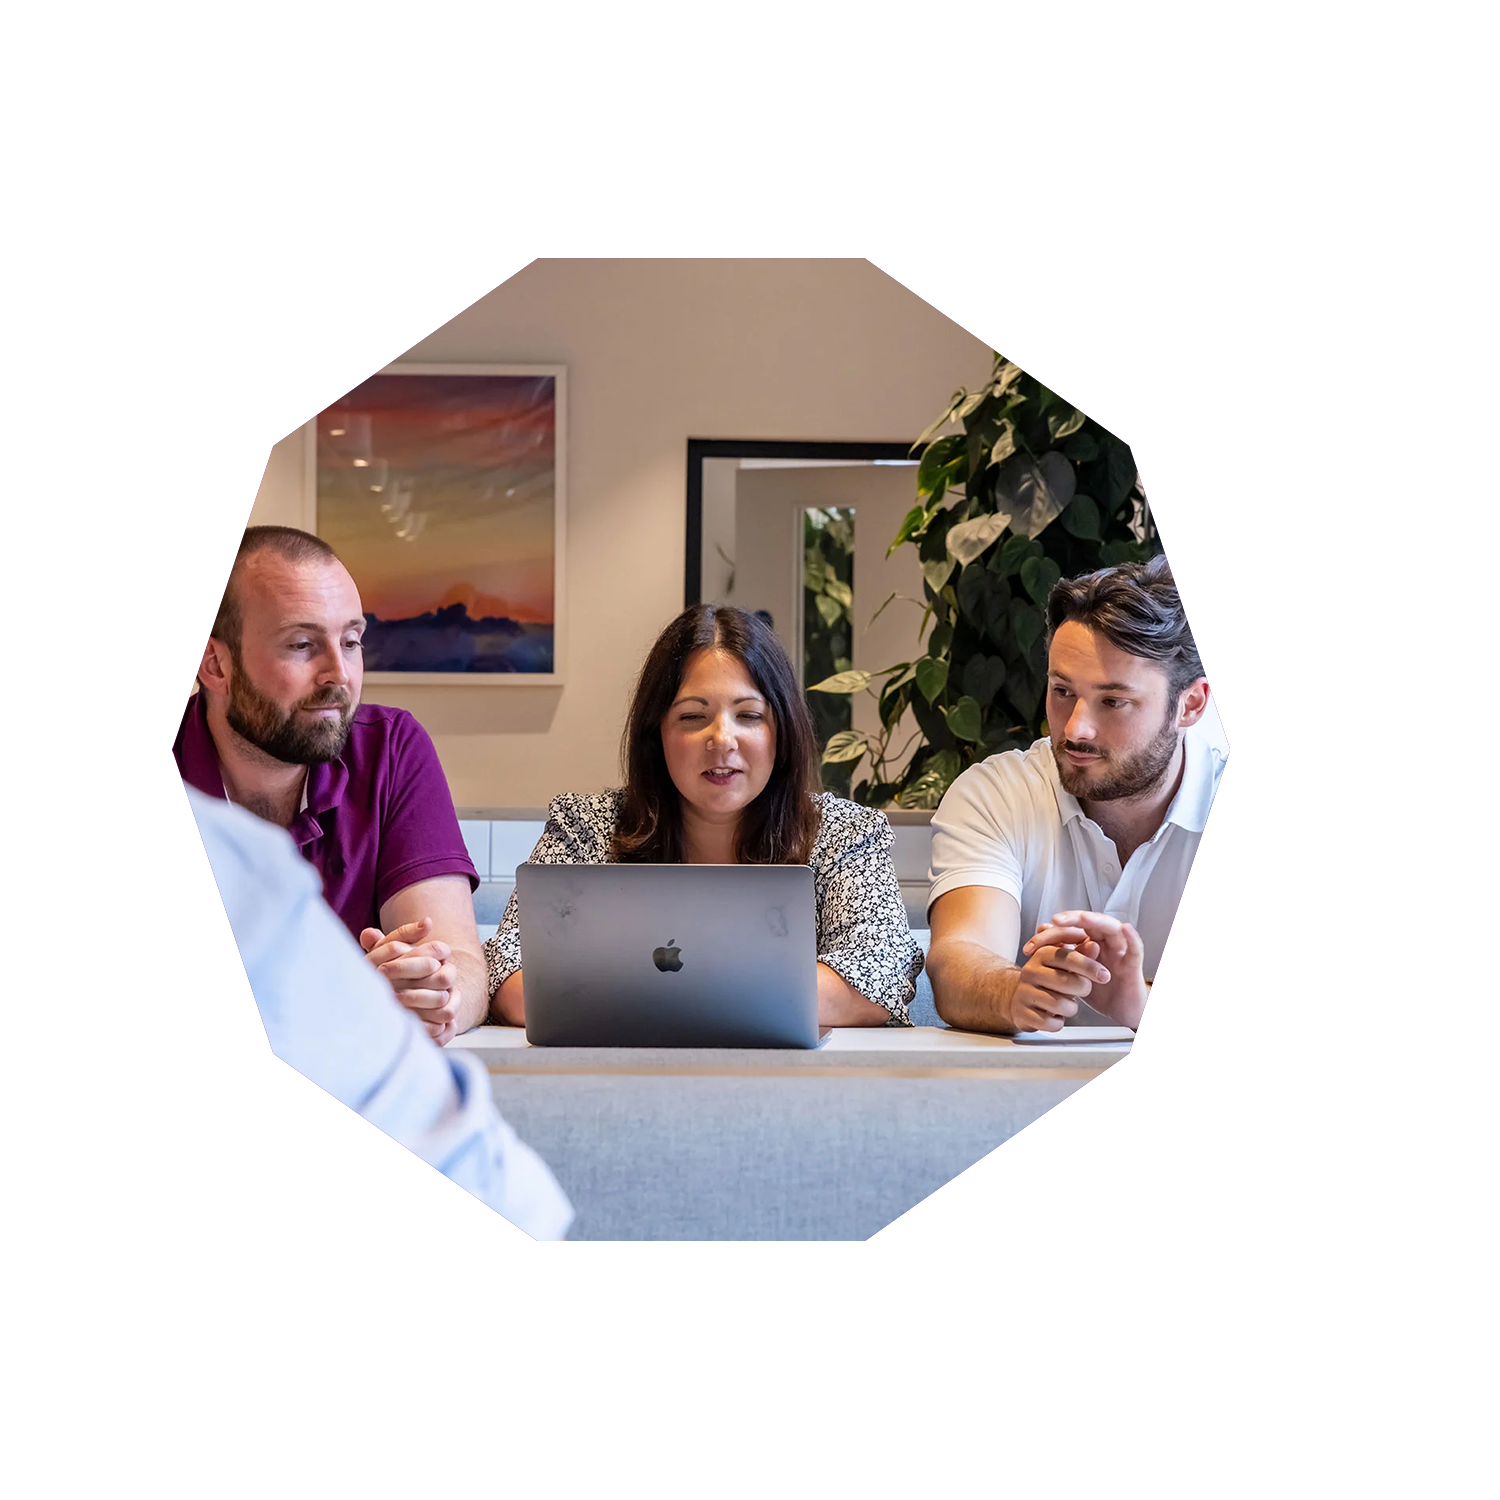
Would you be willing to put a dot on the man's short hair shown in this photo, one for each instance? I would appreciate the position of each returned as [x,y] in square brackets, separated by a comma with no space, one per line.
[285,541]
[1135,607]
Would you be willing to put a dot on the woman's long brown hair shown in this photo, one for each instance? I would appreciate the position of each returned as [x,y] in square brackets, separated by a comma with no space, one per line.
[779,826]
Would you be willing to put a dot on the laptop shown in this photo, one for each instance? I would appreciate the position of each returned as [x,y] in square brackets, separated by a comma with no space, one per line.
[669,955]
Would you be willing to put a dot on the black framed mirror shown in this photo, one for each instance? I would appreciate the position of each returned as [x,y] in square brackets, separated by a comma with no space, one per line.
[770,451]
[796,532]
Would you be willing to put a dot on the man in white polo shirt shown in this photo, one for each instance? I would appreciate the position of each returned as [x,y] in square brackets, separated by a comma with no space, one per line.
[1056,871]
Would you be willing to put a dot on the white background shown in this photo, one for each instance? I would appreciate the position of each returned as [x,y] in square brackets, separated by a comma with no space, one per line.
[1256,1257]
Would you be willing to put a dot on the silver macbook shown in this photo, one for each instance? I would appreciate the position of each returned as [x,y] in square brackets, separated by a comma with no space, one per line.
[669,955]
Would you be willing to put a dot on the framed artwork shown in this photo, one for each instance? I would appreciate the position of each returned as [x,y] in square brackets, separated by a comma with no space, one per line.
[443,489]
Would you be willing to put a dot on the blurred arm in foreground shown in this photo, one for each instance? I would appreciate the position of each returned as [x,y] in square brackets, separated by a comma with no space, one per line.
[331,1016]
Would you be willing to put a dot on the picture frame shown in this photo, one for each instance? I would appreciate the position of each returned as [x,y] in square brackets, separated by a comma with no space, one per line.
[439,445]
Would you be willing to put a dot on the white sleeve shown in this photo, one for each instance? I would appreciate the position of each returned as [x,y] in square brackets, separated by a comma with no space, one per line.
[976,836]
[329,1015]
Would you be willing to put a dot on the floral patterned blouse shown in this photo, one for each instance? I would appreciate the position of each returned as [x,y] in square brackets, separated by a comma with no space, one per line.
[863,932]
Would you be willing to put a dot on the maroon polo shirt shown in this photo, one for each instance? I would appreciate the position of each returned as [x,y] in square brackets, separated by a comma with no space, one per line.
[378,819]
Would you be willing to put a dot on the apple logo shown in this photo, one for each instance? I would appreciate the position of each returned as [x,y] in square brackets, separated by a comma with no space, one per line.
[666,959]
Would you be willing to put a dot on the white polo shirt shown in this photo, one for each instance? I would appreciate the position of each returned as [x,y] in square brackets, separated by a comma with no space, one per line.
[1008,823]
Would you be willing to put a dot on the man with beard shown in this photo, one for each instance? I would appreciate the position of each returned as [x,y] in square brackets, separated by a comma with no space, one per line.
[277,727]
[1085,840]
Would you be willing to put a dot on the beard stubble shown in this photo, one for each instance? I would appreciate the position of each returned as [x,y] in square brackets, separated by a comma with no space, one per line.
[262,722]
[1140,772]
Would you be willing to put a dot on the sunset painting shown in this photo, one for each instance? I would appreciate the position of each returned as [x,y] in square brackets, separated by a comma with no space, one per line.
[441,493]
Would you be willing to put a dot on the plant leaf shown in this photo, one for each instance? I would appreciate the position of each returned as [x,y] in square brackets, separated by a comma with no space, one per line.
[1036,654]
[846,745]
[1001,638]
[924,794]
[970,538]
[836,588]
[893,703]
[1038,574]
[936,573]
[983,677]
[965,720]
[937,775]
[932,677]
[814,570]
[1005,444]
[1023,689]
[934,543]
[843,682]
[1081,518]
[1120,467]
[1063,421]
[981,596]
[1026,623]
[935,459]
[914,524]
[931,722]
[1035,493]
[831,610]
[1014,553]
[971,403]
[1006,375]
[935,427]
[973,590]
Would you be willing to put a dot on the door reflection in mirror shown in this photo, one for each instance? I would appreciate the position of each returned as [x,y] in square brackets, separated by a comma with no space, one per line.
[777,533]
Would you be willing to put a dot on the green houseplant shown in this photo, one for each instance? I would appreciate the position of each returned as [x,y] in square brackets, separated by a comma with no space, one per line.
[1030,490]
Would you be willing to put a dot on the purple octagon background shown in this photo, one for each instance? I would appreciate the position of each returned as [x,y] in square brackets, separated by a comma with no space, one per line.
[263,345]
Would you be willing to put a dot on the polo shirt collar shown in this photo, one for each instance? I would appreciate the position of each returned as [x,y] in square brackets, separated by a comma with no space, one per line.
[200,760]
[1189,809]
[322,791]
[322,788]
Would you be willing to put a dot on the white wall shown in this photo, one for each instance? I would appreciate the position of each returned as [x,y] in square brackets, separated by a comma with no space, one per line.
[657,352]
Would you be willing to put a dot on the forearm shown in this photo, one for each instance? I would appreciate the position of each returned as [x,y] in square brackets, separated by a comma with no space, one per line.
[473,990]
[972,986]
[840,1004]
[508,1004]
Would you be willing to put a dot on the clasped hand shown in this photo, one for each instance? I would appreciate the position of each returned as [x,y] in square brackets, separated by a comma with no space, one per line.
[419,972]
[1080,955]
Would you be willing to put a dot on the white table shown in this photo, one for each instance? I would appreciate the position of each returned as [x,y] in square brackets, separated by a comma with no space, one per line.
[731,1143]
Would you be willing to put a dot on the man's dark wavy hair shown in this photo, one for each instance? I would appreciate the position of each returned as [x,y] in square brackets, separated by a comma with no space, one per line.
[1136,608]
[779,827]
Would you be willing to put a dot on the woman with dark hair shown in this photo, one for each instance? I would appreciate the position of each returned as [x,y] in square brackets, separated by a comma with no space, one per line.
[721,767]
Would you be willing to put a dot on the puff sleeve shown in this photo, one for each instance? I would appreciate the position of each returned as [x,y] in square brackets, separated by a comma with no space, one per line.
[863,931]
